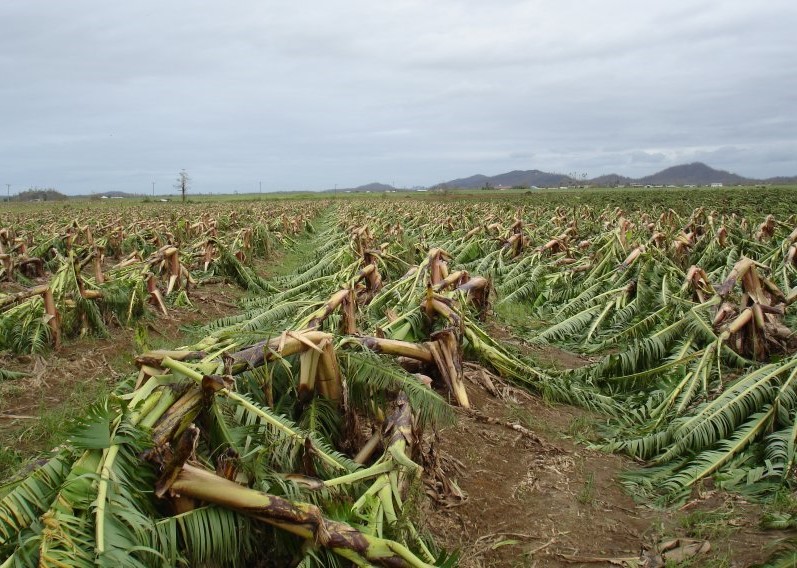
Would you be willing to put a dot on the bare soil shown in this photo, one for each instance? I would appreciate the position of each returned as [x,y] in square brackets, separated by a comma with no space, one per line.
[545,500]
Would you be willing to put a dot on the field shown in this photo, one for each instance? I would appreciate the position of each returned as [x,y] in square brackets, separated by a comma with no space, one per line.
[598,377]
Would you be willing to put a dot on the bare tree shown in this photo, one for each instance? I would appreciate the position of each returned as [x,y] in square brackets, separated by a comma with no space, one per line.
[183,183]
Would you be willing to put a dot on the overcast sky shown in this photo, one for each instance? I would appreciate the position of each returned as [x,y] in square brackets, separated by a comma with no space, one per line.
[304,95]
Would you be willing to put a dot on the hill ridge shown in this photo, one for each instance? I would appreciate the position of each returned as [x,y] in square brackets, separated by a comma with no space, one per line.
[693,173]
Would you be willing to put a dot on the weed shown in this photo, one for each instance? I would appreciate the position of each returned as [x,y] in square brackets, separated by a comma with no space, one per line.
[47,430]
[708,524]
[518,316]
[783,502]
[517,413]
[141,338]
[10,460]
[714,561]
[11,389]
[581,428]
[525,560]
[587,494]
[525,417]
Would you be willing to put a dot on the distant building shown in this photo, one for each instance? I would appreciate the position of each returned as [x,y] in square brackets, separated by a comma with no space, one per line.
[716,184]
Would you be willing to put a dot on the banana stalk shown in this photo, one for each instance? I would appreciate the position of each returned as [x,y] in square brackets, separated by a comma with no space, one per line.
[302,519]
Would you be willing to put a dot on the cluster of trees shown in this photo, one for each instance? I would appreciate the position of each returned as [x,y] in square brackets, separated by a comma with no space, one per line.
[182,184]
[38,194]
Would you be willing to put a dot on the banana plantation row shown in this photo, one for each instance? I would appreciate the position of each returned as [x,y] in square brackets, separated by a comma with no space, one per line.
[301,429]
[77,275]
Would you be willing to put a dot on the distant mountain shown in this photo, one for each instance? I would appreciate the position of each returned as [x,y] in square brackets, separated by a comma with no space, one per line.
[696,173]
[516,178]
[478,180]
[611,180]
[782,180]
[373,186]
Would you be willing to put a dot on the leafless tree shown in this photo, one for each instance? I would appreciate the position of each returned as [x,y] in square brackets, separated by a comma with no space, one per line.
[183,183]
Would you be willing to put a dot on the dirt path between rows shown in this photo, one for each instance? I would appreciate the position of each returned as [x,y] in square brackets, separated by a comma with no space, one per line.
[545,500]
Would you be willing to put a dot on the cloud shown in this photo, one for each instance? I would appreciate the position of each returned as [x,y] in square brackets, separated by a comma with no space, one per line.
[109,95]
[639,156]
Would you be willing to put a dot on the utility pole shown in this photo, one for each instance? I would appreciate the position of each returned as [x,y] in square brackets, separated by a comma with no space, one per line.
[260,183]
[8,189]
[153,189]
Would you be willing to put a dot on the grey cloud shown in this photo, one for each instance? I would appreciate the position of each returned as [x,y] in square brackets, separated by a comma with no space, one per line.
[648,157]
[115,95]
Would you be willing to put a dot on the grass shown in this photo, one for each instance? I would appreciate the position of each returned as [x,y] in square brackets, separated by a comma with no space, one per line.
[783,502]
[781,513]
[296,255]
[715,526]
[287,261]
[582,429]
[525,417]
[47,429]
[708,525]
[715,561]
[519,316]
[147,338]
[10,460]
[587,494]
